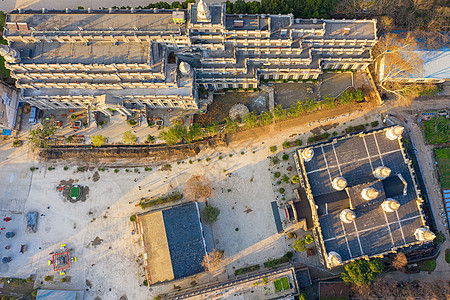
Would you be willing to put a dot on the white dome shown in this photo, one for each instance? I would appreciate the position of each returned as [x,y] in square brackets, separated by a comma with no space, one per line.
[202,6]
[339,183]
[369,193]
[334,259]
[307,154]
[424,234]
[347,216]
[390,205]
[185,68]
[203,14]
[394,133]
[382,172]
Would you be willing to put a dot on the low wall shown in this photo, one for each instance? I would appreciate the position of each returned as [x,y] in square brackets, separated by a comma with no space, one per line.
[126,155]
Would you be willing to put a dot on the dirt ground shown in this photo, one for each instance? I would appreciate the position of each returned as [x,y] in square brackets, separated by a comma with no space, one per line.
[218,110]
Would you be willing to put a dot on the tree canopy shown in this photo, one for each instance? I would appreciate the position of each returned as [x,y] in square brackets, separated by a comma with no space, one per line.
[39,137]
[362,272]
[210,214]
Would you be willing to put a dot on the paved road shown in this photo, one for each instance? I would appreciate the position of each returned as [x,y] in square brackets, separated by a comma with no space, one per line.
[427,167]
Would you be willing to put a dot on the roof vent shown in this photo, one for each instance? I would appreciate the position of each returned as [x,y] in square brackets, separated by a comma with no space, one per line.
[394,133]
[339,183]
[238,23]
[390,205]
[424,234]
[21,10]
[110,10]
[283,32]
[68,10]
[369,193]
[314,21]
[382,172]
[133,10]
[346,30]
[307,154]
[90,10]
[334,259]
[347,216]
[44,10]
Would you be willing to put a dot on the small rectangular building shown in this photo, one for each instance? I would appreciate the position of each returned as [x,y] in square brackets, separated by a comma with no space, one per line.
[173,243]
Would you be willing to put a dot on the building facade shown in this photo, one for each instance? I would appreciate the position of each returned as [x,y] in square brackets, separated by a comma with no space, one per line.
[68,59]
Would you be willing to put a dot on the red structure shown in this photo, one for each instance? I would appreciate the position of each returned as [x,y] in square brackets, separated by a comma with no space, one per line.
[61,261]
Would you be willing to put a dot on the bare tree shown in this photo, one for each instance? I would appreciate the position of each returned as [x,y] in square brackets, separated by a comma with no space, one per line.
[213,260]
[400,261]
[198,188]
[396,60]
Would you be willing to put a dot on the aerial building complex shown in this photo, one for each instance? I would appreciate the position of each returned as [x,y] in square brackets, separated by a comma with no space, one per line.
[364,197]
[131,58]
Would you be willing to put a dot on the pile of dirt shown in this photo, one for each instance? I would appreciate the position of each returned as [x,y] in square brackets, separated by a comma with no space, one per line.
[198,188]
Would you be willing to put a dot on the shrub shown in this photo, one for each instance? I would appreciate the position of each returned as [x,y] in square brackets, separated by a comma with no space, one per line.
[116,170]
[272,263]
[210,214]
[242,153]
[299,245]
[190,161]
[285,178]
[51,168]
[285,157]
[136,170]
[146,202]
[447,255]
[289,254]
[246,270]
[147,169]
[312,139]
[80,169]
[131,122]
[98,140]
[230,155]
[374,123]
[32,169]
[427,265]
[126,170]
[220,157]
[145,283]
[73,117]
[281,190]
[48,278]
[101,123]
[129,138]
[64,279]
[325,135]
[17,143]
[286,144]
[277,174]
[133,218]
[150,139]
[295,179]
[309,239]
[298,142]
[208,159]
[236,229]
[440,238]
[273,149]
[66,168]
[290,235]
[274,160]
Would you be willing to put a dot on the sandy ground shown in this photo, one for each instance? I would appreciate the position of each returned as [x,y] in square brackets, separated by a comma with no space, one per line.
[8,5]
[113,268]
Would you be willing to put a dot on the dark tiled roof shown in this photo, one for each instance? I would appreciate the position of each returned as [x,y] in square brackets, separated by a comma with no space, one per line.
[185,240]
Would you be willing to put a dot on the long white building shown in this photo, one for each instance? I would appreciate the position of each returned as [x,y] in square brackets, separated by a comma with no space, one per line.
[71,59]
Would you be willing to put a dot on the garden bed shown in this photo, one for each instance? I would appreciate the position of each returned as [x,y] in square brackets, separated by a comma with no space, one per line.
[273,263]
[443,160]
[246,270]
[437,130]
[145,202]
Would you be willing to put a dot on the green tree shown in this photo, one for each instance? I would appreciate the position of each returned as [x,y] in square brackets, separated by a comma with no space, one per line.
[129,138]
[174,134]
[299,245]
[295,179]
[230,125]
[362,272]
[98,140]
[309,239]
[39,137]
[239,7]
[212,128]
[195,132]
[279,113]
[250,120]
[254,7]
[210,214]
[266,118]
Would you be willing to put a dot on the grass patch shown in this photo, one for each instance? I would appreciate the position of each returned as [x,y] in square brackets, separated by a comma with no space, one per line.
[443,159]
[246,270]
[146,202]
[427,265]
[277,284]
[437,130]
[281,284]
[447,255]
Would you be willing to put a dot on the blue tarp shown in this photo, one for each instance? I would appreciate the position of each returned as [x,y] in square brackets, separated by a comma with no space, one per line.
[56,295]
[6,132]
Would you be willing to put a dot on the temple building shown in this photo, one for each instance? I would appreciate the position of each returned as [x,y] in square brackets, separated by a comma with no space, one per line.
[107,58]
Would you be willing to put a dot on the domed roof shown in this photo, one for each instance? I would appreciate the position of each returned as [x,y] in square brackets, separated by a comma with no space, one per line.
[202,6]
[185,68]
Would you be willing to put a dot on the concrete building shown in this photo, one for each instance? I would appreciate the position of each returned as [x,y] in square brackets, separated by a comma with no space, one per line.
[9,106]
[71,59]
[378,207]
